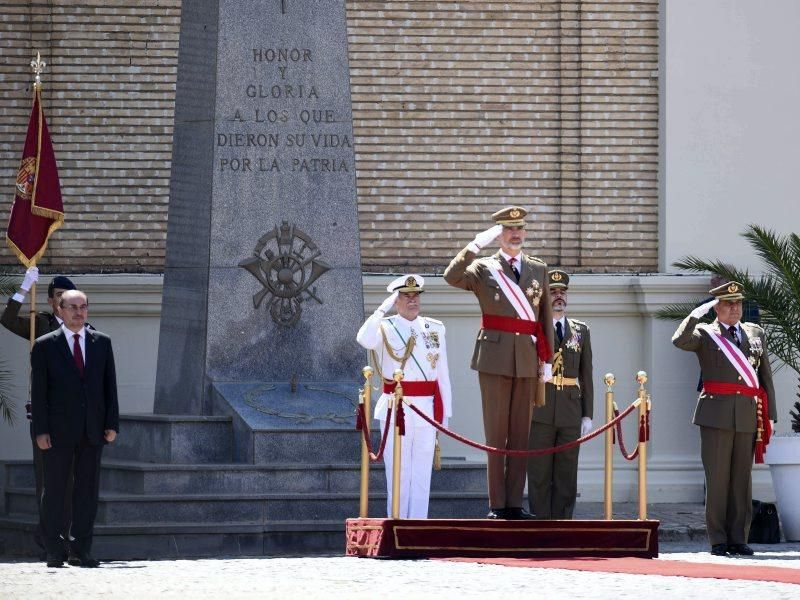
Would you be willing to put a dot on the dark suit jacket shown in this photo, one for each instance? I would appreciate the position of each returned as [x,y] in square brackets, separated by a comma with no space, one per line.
[498,352]
[565,407]
[64,404]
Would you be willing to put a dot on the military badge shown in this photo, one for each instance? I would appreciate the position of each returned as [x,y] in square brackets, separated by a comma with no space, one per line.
[534,293]
[431,339]
[756,347]
[433,359]
[574,342]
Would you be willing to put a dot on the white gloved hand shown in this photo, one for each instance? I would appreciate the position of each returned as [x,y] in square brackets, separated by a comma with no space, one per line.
[387,304]
[31,277]
[586,426]
[546,372]
[774,424]
[485,238]
[700,311]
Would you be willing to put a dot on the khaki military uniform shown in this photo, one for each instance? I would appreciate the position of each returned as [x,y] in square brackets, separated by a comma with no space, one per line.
[507,365]
[553,478]
[11,320]
[727,426]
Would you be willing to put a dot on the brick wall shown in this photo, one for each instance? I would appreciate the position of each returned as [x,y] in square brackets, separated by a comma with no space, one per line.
[108,94]
[459,108]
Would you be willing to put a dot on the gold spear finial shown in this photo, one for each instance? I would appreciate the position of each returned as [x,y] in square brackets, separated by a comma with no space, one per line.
[38,66]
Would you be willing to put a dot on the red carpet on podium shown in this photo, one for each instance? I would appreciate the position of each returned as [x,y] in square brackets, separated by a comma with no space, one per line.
[645,566]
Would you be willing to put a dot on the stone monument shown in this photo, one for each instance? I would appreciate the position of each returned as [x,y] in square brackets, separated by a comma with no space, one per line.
[262,282]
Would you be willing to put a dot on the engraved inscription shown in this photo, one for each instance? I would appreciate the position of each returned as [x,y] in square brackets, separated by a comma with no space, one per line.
[282,124]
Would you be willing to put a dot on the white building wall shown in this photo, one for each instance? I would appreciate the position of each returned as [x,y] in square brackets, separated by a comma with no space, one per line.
[729,97]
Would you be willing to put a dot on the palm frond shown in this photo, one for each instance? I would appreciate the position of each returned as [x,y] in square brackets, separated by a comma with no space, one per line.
[678,311]
[7,406]
[776,291]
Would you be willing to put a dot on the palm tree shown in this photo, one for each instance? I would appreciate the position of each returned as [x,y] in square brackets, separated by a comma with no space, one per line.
[776,291]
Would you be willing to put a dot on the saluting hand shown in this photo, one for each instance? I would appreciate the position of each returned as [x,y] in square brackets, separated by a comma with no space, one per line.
[700,311]
[485,238]
[387,304]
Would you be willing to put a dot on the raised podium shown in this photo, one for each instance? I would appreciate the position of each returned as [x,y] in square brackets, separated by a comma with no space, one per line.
[494,538]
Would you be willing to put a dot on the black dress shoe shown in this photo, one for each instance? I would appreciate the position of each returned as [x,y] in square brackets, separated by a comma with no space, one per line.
[719,549]
[54,561]
[518,514]
[741,549]
[497,513]
[86,560]
[73,560]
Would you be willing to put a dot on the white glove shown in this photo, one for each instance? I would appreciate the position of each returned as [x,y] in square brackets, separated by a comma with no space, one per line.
[701,310]
[485,238]
[586,426]
[546,372]
[774,424]
[387,304]
[31,277]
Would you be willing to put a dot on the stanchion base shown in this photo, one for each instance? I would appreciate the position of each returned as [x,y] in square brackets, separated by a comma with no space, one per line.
[406,538]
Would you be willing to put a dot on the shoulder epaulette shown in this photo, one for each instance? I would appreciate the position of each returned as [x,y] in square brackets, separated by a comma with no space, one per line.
[434,321]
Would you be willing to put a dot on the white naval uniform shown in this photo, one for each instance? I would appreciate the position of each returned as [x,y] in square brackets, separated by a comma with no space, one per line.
[419,440]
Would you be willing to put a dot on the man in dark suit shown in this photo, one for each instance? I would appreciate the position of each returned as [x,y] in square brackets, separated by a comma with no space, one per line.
[737,382]
[513,350]
[566,414]
[45,323]
[75,412]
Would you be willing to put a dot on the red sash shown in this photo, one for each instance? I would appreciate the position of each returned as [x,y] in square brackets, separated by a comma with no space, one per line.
[764,431]
[420,388]
[515,325]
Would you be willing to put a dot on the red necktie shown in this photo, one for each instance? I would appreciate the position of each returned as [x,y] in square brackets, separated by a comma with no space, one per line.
[514,269]
[77,354]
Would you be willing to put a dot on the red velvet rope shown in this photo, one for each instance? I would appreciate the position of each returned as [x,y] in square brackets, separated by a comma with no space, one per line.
[363,426]
[644,436]
[537,452]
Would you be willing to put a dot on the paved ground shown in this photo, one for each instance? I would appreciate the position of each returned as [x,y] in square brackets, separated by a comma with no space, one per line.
[342,577]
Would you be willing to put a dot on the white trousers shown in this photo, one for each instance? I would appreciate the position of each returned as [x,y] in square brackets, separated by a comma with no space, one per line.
[416,463]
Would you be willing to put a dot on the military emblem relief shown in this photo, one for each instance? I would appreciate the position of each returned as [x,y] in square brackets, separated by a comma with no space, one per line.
[286,262]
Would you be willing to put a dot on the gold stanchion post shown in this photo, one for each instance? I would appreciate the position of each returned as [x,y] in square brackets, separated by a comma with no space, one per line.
[398,398]
[364,397]
[641,378]
[609,380]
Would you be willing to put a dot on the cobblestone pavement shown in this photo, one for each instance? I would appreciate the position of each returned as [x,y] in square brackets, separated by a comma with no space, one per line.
[341,577]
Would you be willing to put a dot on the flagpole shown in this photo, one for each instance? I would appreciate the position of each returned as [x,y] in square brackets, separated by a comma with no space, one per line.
[37,66]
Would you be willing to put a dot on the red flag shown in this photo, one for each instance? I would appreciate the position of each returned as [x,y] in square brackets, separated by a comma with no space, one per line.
[37,211]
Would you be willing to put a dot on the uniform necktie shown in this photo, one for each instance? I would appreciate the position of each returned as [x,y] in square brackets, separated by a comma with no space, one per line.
[514,269]
[734,337]
[559,332]
[77,354]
